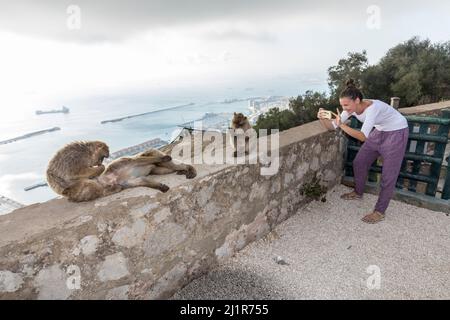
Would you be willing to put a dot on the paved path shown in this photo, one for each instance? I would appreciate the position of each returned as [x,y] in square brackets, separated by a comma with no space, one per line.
[328,250]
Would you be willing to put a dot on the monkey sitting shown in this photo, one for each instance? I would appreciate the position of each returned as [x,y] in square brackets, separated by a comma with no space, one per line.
[77,161]
[240,122]
[127,172]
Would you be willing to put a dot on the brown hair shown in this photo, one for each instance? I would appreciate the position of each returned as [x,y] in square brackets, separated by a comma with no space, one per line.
[351,91]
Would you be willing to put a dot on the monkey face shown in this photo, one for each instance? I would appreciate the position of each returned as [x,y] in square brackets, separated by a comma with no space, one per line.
[239,119]
[101,152]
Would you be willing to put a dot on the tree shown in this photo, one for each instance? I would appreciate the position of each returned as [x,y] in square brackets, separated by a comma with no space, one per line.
[417,71]
[276,119]
[305,107]
[353,67]
[302,109]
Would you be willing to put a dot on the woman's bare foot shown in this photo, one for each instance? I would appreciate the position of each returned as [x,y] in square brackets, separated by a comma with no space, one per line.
[351,196]
[373,217]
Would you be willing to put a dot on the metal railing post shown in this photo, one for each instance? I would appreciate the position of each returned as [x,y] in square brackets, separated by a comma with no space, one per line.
[395,102]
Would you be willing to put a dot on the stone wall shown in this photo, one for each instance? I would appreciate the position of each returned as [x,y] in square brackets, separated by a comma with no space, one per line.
[143,244]
[432,109]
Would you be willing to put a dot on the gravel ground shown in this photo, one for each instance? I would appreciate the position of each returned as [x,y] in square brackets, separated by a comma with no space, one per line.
[328,250]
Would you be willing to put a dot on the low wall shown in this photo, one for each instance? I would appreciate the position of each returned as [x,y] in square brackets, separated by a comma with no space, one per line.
[432,109]
[143,244]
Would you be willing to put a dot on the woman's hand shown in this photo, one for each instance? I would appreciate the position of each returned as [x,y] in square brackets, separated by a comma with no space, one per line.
[323,114]
[319,114]
[338,117]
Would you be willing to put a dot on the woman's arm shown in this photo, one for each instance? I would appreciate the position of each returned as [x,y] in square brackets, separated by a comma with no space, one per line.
[350,131]
[327,124]
[353,132]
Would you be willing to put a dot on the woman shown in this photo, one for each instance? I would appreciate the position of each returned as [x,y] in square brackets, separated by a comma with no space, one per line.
[388,140]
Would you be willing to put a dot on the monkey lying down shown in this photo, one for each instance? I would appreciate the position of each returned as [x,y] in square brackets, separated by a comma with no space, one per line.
[77,172]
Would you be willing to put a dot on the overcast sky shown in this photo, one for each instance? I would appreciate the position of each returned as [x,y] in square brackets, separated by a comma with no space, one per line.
[76,46]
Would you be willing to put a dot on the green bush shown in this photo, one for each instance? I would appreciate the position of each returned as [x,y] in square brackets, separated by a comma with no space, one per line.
[314,190]
[302,109]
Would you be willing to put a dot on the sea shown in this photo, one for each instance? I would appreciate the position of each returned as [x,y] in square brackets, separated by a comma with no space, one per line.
[23,162]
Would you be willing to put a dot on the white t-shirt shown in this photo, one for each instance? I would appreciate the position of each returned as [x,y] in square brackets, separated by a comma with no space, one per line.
[379,115]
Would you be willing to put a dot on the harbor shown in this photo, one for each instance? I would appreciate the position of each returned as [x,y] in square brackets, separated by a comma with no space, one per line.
[220,121]
[210,122]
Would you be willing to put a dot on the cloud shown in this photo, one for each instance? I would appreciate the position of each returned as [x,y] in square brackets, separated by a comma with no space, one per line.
[202,58]
[115,20]
[241,35]
[126,44]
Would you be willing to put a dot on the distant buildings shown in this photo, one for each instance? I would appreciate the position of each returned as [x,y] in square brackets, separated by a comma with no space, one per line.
[259,106]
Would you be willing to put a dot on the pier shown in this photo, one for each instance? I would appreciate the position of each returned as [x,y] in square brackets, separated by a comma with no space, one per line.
[29,135]
[146,113]
[37,185]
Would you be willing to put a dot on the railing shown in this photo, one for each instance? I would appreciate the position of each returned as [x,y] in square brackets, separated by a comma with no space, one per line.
[421,171]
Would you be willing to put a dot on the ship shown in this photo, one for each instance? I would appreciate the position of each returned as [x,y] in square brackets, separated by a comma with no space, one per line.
[64,109]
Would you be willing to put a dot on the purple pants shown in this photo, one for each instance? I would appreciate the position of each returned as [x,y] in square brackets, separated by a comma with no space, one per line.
[391,146]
